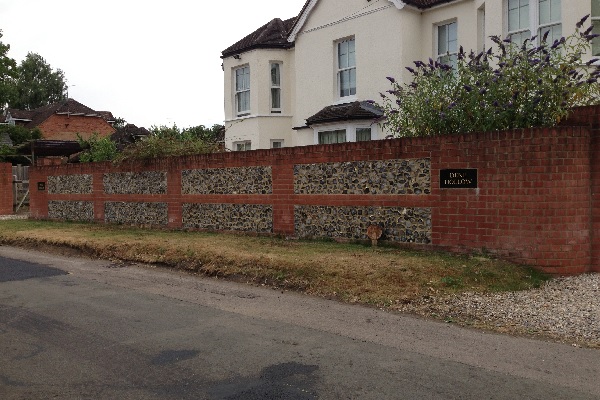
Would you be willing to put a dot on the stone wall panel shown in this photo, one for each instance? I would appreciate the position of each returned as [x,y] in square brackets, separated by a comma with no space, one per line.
[244,180]
[364,177]
[70,184]
[148,182]
[228,217]
[405,225]
[136,213]
[71,210]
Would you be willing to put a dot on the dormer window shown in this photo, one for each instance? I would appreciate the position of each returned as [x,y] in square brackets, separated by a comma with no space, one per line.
[242,91]
[346,68]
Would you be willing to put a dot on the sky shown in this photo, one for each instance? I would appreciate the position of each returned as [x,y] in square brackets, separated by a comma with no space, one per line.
[149,62]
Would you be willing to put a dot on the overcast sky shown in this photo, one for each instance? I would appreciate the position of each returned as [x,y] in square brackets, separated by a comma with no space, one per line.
[150,62]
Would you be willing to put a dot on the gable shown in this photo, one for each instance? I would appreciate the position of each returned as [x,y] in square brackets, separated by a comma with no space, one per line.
[351,9]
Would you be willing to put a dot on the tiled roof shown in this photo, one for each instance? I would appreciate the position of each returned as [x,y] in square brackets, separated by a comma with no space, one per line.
[358,110]
[128,135]
[107,115]
[272,35]
[39,115]
[20,114]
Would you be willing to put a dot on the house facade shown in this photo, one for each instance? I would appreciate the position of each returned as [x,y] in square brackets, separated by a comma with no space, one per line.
[308,79]
[63,120]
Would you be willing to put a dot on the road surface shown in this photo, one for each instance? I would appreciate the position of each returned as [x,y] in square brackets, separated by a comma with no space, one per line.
[73,328]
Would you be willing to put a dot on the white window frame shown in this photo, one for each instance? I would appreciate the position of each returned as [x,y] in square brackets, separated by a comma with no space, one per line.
[239,92]
[242,145]
[279,141]
[535,28]
[274,86]
[595,42]
[349,127]
[439,54]
[340,70]
[481,28]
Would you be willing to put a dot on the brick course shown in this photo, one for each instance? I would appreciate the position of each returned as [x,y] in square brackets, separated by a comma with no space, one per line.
[536,201]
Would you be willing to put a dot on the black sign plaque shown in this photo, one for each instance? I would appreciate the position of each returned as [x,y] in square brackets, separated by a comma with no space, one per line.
[458,179]
[41,186]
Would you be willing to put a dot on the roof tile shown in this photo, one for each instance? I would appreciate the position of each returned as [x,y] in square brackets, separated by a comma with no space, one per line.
[358,110]
[272,35]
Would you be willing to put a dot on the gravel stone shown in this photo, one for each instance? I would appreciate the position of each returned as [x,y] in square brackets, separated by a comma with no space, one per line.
[565,309]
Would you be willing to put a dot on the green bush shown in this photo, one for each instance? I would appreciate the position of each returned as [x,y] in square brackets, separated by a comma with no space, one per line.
[165,142]
[97,149]
[509,87]
[19,134]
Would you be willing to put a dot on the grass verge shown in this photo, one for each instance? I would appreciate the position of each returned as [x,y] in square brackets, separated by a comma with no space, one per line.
[381,276]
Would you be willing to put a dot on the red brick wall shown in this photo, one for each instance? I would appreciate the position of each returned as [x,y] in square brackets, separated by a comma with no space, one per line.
[6,192]
[536,201]
[63,127]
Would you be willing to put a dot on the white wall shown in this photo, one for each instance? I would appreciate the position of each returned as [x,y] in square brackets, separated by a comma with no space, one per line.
[387,40]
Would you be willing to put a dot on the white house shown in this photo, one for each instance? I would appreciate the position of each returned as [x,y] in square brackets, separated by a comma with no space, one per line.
[306,80]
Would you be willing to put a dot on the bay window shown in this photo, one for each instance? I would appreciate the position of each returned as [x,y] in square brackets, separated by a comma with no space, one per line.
[242,91]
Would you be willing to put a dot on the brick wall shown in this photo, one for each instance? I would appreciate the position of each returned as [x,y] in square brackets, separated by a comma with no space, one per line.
[6,191]
[536,201]
[63,127]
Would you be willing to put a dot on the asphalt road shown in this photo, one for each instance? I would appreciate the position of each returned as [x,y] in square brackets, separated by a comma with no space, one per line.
[80,329]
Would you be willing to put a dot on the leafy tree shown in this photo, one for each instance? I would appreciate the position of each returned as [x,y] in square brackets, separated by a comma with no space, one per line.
[513,87]
[119,123]
[203,133]
[7,74]
[36,84]
[19,134]
[97,149]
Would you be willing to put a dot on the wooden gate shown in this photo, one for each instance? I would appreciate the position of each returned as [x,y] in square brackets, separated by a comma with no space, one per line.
[20,186]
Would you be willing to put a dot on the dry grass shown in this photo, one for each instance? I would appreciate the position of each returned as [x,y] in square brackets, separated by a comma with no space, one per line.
[381,276]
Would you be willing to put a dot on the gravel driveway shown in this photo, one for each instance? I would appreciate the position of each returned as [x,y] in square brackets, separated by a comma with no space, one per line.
[564,309]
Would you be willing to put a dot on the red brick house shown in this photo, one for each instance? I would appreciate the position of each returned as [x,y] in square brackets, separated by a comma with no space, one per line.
[63,120]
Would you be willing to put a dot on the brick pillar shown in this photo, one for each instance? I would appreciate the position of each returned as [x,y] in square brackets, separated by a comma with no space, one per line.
[283,203]
[6,190]
[595,206]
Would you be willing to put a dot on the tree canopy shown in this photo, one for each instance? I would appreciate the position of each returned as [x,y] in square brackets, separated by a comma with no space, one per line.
[7,73]
[37,84]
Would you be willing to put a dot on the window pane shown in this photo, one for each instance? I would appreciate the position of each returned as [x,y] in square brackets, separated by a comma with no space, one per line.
[329,137]
[352,81]
[243,101]
[442,39]
[524,15]
[549,11]
[275,75]
[596,41]
[452,37]
[595,8]
[351,53]
[519,38]
[363,134]
[275,98]
[343,55]
[276,144]
[555,33]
